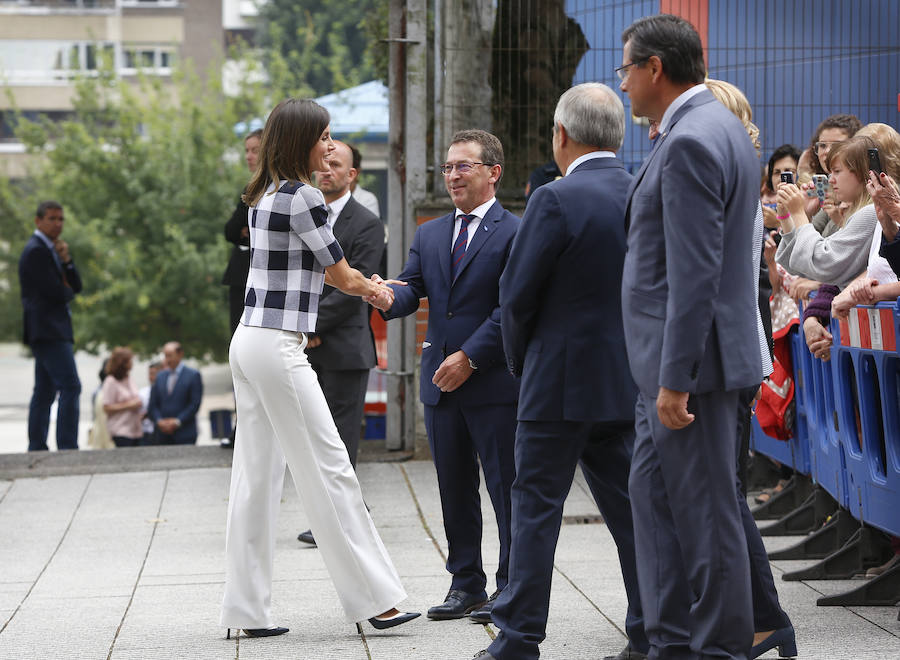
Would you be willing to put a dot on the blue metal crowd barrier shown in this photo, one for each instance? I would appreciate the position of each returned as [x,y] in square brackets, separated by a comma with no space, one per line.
[868,405]
[847,422]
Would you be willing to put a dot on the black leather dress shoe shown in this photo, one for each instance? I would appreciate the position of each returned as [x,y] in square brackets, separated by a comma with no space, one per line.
[456,605]
[627,653]
[306,537]
[483,613]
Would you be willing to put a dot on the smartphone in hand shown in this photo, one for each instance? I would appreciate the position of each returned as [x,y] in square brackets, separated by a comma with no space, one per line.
[787,177]
[822,186]
[875,161]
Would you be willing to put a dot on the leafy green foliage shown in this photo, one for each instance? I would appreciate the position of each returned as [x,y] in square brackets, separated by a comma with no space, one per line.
[315,48]
[147,173]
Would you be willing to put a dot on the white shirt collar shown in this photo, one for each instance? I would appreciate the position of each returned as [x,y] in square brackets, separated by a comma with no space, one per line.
[335,207]
[586,157]
[44,238]
[679,101]
[479,211]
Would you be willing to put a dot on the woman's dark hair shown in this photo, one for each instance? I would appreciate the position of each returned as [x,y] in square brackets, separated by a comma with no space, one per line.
[290,134]
[673,40]
[783,151]
[847,123]
[117,365]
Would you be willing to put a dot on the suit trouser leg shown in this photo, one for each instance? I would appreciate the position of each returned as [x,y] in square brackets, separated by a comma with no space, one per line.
[286,393]
[456,465]
[546,456]
[493,432]
[39,409]
[54,372]
[691,551]
[767,611]
[606,463]
[345,391]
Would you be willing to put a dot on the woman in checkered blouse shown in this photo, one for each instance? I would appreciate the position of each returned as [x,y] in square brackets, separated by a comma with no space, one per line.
[282,414]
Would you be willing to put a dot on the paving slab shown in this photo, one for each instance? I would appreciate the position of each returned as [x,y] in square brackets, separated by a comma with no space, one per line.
[130,564]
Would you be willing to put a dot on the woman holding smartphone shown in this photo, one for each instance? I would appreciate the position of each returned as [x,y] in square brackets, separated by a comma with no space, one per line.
[281,412]
[839,258]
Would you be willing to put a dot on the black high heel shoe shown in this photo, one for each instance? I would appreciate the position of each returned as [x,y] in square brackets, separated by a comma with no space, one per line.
[783,638]
[396,620]
[258,632]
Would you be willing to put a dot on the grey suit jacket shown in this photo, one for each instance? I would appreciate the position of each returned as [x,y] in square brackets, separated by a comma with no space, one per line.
[688,300]
[343,321]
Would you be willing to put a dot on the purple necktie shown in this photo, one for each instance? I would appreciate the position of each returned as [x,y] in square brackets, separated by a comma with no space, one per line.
[459,247]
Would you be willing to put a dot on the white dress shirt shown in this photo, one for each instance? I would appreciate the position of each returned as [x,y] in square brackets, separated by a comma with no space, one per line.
[679,101]
[474,223]
[585,157]
[334,208]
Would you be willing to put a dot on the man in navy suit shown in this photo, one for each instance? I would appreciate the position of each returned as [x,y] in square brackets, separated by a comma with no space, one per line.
[49,281]
[175,399]
[689,310]
[560,310]
[470,398]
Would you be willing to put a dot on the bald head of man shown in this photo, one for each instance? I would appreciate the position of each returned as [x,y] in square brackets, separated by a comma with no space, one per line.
[173,354]
[340,175]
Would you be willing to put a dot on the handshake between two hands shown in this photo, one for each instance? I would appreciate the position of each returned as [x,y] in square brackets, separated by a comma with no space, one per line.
[381,296]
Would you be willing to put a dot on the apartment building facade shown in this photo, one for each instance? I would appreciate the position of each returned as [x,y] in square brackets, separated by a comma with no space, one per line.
[44,44]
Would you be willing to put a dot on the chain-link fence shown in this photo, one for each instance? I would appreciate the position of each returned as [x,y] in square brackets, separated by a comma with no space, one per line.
[502,64]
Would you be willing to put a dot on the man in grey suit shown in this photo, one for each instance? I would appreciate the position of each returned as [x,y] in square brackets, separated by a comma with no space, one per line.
[342,351]
[688,307]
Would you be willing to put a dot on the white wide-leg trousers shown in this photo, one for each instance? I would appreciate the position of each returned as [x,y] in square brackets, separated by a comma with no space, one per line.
[282,414]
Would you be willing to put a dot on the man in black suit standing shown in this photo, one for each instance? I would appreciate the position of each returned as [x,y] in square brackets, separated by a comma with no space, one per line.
[342,351]
[49,281]
[561,319]
[238,232]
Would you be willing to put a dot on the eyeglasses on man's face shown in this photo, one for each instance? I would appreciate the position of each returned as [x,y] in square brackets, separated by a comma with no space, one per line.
[462,168]
[623,70]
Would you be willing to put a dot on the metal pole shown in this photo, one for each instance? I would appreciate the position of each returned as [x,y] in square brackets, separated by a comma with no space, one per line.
[416,147]
[438,141]
[406,188]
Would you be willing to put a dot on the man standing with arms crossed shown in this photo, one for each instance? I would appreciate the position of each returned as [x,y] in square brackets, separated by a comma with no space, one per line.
[561,314]
[342,351]
[689,310]
[470,398]
[49,281]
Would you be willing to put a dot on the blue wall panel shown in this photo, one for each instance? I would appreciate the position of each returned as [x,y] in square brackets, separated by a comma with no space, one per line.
[797,61]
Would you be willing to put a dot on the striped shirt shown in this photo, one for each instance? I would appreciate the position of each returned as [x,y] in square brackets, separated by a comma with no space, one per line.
[758,229]
[291,244]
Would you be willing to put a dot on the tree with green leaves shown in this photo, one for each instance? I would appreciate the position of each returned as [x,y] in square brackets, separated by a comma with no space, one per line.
[147,173]
[316,48]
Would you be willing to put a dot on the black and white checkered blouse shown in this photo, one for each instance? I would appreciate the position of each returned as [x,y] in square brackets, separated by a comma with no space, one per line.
[291,244]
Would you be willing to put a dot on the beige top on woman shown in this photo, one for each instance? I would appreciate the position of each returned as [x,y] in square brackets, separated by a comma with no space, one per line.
[124,423]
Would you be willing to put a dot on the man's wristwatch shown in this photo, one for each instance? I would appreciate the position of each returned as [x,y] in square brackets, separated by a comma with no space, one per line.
[472,364]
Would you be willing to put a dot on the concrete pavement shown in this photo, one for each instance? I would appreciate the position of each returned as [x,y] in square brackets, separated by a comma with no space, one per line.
[97,563]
